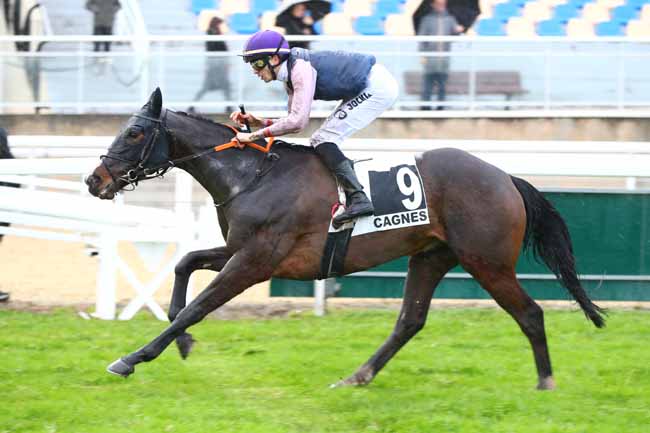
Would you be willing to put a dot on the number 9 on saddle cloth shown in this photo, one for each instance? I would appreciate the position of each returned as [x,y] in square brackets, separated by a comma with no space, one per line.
[396,191]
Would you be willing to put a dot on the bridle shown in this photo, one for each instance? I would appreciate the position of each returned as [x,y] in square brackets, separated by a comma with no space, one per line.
[138,171]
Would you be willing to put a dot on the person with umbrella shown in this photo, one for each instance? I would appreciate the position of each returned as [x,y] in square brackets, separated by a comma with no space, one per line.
[365,88]
[465,12]
[298,18]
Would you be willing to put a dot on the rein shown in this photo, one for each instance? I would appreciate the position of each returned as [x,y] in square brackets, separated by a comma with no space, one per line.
[140,172]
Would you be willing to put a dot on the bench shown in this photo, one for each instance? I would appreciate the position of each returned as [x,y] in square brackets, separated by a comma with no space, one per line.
[507,83]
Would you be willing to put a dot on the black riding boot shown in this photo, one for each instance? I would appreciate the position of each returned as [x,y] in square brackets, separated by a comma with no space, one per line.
[358,203]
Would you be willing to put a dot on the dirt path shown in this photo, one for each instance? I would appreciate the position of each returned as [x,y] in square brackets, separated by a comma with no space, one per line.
[47,272]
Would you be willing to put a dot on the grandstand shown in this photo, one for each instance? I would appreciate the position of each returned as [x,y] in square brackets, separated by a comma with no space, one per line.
[597,59]
[572,18]
[516,18]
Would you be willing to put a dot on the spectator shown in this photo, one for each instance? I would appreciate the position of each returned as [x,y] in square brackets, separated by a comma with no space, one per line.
[216,68]
[437,22]
[465,12]
[104,14]
[296,21]
[4,154]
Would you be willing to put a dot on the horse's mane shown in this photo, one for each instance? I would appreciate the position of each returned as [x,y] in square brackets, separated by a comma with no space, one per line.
[278,144]
[203,119]
[197,117]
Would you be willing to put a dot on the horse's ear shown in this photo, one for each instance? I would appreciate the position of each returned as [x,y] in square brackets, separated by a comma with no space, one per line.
[154,105]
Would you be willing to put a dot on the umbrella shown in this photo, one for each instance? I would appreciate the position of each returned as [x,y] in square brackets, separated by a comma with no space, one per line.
[465,11]
[317,8]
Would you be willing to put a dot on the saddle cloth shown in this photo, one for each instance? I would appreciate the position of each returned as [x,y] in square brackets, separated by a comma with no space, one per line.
[395,187]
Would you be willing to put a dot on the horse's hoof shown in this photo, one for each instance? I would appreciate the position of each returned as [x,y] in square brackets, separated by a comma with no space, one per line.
[547,383]
[185,343]
[120,368]
[362,377]
[346,382]
[353,380]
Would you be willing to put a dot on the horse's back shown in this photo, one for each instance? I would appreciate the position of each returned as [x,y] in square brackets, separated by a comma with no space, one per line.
[456,164]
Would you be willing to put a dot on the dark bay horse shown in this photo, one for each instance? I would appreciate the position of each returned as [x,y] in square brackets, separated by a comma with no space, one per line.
[274,211]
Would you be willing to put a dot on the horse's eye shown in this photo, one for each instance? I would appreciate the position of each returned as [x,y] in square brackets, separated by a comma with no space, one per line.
[134,133]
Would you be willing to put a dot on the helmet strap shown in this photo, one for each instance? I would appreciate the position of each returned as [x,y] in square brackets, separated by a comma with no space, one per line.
[272,69]
[268,62]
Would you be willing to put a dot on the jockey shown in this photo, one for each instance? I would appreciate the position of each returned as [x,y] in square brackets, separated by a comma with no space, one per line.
[365,88]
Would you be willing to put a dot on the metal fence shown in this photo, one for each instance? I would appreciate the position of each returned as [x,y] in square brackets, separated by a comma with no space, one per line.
[542,74]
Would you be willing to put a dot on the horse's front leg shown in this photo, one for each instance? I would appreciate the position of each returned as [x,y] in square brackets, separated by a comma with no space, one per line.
[213,259]
[247,267]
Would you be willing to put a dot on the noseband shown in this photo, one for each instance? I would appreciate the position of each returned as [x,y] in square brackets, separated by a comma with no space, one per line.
[137,170]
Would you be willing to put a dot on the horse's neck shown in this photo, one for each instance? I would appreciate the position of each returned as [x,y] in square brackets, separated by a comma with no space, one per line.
[222,173]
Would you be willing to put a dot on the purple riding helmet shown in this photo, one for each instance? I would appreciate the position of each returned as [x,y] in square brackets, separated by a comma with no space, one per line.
[265,44]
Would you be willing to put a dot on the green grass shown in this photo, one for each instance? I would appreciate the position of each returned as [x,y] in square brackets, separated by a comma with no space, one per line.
[467,371]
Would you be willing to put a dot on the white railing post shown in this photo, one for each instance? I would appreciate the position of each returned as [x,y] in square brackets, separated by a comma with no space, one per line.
[320,306]
[106,277]
[183,209]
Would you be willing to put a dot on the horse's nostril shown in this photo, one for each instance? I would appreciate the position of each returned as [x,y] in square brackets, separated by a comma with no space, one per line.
[91,180]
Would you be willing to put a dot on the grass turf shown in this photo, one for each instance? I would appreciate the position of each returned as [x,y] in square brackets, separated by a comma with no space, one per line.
[467,371]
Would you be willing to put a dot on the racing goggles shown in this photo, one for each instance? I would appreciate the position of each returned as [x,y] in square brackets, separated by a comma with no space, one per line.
[259,64]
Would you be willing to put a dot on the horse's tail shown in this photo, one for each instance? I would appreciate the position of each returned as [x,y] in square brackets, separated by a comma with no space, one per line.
[547,234]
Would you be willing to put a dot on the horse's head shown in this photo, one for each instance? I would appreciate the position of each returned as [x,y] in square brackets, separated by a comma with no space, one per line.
[140,151]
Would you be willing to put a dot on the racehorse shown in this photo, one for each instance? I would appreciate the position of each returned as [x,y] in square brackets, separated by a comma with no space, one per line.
[274,210]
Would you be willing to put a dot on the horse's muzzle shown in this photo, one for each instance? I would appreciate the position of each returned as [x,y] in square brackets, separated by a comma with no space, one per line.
[94,183]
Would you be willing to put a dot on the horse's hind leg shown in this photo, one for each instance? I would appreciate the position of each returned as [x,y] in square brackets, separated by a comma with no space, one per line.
[213,259]
[508,293]
[425,271]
